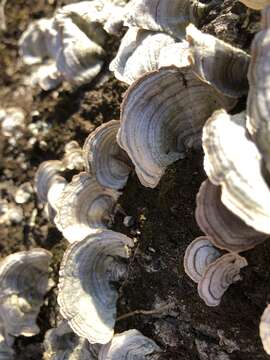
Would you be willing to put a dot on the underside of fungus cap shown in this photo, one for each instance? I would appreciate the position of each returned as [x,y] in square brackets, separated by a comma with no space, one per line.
[258,113]
[198,255]
[23,284]
[157,122]
[218,63]
[104,158]
[218,276]
[84,206]
[131,345]
[87,297]
[227,230]
[233,161]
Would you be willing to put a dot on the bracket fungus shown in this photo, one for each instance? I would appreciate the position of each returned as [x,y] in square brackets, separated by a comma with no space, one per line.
[227,231]
[140,52]
[244,189]
[23,284]
[87,297]
[73,157]
[49,182]
[265,329]
[104,158]
[213,271]
[39,46]
[73,42]
[218,276]
[54,193]
[218,63]
[198,255]
[46,76]
[97,17]
[258,99]
[62,343]
[49,185]
[176,54]
[47,174]
[81,38]
[35,43]
[83,207]
[129,345]
[157,123]
[171,16]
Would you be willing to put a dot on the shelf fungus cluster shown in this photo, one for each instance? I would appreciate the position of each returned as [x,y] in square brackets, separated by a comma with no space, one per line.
[183,86]
[227,166]
[24,281]
[160,15]
[166,72]
[70,46]
[142,51]
[97,258]
[61,342]
[50,180]
[233,204]
[157,125]
[213,271]
[219,64]
[88,201]
[227,231]
[83,205]
[258,124]
[258,99]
